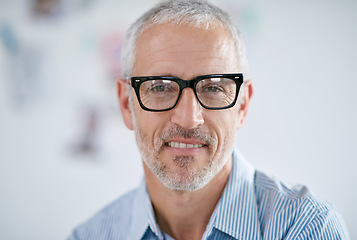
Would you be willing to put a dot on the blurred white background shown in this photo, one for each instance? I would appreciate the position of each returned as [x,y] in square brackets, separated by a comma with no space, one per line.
[65,152]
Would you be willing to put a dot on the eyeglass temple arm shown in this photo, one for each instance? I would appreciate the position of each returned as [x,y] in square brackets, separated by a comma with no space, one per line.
[125,79]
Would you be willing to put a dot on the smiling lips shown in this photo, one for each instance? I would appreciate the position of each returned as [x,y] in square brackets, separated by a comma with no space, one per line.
[183,145]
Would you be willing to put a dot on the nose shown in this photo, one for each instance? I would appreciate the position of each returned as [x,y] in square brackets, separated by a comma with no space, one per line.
[188,111]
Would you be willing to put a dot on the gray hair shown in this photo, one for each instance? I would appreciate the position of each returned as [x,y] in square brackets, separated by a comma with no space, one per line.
[197,13]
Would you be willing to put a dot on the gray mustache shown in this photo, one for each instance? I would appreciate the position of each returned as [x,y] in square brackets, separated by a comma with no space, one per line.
[196,133]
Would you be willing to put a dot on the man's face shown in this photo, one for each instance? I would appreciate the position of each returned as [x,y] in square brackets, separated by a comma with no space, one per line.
[188,145]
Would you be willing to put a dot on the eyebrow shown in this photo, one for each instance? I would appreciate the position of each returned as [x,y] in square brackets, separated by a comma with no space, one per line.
[171,75]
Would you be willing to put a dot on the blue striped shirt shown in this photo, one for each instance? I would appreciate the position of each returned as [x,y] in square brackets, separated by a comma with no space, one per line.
[252,206]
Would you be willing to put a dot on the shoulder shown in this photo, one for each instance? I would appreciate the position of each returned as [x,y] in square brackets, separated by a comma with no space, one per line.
[112,222]
[294,212]
[269,188]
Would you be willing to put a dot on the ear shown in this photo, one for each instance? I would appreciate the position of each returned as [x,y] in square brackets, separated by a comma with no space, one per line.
[123,97]
[247,89]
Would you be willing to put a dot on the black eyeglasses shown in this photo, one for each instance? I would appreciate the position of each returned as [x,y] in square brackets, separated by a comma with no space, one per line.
[159,93]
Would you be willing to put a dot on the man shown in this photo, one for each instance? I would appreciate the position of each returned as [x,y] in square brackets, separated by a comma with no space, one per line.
[183,95]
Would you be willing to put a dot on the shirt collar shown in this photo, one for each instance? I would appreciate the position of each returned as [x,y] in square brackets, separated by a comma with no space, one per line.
[143,215]
[236,213]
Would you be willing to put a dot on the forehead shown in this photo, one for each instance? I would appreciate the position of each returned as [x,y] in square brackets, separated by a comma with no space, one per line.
[184,51]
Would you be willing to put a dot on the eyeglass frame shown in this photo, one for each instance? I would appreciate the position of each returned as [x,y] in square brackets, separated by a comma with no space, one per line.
[135,82]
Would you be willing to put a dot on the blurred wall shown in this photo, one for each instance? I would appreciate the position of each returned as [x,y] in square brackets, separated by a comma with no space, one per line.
[65,152]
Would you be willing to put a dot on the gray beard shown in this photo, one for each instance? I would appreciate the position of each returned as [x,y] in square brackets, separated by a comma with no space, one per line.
[186,178]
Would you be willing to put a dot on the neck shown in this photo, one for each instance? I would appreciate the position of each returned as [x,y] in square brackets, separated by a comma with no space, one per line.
[185,214]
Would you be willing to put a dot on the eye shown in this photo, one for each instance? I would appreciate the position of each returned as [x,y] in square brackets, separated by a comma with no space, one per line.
[211,88]
[159,88]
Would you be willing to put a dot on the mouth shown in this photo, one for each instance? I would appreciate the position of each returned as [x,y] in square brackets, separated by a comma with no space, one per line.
[183,145]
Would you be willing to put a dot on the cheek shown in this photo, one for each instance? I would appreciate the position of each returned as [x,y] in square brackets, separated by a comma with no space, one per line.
[224,119]
[150,124]
[223,124]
